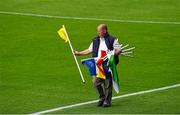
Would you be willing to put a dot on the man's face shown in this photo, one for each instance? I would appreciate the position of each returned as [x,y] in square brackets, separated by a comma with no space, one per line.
[101,31]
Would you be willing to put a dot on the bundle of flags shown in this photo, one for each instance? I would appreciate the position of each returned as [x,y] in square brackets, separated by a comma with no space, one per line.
[97,67]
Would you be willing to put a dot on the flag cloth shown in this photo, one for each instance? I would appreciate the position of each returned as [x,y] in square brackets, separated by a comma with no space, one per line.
[100,72]
[114,72]
[91,64]
[62,34]
[97,68]
[94,69]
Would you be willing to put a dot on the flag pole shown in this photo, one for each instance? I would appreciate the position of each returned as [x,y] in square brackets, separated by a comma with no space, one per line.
[73,54]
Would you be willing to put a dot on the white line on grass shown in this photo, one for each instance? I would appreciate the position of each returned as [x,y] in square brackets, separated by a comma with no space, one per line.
[117,97]
[92,19]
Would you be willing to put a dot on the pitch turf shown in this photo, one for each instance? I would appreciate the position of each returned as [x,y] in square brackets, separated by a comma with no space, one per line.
[37,70]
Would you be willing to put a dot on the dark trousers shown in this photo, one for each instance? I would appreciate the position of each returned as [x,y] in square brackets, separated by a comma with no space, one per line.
[104,89]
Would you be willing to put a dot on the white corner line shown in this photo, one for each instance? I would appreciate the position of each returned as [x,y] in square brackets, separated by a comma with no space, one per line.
[92,19]
[116,97]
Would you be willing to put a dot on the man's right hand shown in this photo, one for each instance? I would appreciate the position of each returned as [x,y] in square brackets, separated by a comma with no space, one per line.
[76,53]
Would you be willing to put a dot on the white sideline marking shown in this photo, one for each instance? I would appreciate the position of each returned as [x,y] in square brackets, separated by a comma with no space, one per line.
[116,97]
[92,19]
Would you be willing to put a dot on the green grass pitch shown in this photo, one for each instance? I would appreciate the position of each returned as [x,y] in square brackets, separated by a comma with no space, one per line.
[38,72]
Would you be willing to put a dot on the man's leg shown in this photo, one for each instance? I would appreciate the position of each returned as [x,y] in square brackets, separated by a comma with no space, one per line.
[108,92]
[98,85]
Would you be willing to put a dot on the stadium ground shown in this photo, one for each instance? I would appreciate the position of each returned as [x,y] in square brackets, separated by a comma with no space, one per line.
[37,70]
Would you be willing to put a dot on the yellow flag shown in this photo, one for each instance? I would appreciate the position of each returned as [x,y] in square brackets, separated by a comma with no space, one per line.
[62,34]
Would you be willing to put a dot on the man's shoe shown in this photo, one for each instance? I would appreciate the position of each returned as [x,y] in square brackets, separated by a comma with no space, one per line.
[105,104]
[100,103]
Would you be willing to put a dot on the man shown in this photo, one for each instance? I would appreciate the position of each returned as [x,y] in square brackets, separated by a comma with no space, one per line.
[103,42]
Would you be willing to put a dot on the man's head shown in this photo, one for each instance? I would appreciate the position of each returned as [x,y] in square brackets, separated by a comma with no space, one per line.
[102,30]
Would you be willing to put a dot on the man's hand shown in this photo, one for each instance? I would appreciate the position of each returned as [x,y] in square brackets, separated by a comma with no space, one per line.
[76,53]
[117,52]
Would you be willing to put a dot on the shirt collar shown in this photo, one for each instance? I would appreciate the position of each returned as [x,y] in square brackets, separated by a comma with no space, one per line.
[101,39]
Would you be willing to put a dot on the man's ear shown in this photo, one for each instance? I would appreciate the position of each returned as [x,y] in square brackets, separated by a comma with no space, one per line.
[105,31]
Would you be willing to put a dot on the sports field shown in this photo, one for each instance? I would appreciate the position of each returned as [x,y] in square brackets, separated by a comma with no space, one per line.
[38,72]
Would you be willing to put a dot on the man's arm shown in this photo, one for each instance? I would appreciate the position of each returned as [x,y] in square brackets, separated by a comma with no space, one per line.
[84,52]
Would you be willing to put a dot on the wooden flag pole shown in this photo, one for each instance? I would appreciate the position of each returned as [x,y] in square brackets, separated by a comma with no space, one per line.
[74,55]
